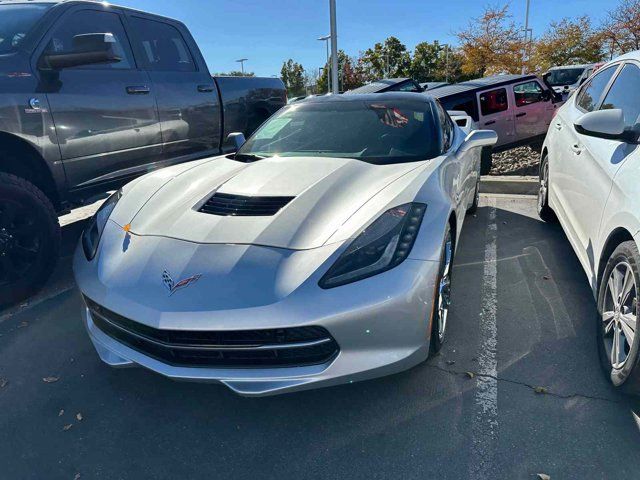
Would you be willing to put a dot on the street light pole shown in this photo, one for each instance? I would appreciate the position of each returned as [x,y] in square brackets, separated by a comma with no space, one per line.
[334,48]
[241,62]
[446,62]
[326,39]
[526,39]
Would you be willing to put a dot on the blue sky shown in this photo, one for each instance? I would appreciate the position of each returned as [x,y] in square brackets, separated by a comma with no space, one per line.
[267,32]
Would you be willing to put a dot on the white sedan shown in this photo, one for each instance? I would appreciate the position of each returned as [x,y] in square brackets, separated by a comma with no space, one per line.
[319,253]
[590,182]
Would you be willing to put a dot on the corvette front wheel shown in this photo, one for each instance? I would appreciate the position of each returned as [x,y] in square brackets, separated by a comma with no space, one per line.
[442,300]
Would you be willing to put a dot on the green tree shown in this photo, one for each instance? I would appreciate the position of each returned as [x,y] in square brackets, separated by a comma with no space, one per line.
[621,30]
[435,62]
[386,60]
[234,73]
[292,74]
[491,44]
[350,74]
[567,42]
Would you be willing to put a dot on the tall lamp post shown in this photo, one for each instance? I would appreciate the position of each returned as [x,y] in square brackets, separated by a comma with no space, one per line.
[241,62]
[326,39]
[527,30]
[334,47]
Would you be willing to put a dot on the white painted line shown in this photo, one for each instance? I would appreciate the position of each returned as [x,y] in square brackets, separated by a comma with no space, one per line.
[485,419]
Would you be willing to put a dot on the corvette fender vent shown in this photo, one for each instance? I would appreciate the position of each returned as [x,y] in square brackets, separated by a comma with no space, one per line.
[225,204]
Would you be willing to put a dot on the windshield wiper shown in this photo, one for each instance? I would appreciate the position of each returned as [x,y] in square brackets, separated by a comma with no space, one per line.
[247,157]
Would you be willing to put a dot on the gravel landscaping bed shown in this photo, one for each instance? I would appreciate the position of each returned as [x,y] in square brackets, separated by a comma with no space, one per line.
[517,161]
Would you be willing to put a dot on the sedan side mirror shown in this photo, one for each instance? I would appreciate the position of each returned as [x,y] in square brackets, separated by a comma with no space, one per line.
[608,124]
[478,138]
[235,140]
[88,49]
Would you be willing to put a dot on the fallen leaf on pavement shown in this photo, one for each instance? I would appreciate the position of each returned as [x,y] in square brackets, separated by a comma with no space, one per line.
[546,277]
[540,390]
[50,379]
[76,477]
[470,374]
[67,427]
[79,416]
[544,476]
[23,324]
[450,362]
[3,382]
[60,413]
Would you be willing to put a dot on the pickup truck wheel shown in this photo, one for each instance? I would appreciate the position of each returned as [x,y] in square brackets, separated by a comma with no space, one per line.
[486,160]
[29,239]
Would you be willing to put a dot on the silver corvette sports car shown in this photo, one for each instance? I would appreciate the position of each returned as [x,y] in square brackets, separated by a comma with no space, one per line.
[319,253]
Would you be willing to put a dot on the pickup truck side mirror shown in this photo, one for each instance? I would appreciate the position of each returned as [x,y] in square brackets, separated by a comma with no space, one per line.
[608,124]
[236,140]
[88,49]
[478,138]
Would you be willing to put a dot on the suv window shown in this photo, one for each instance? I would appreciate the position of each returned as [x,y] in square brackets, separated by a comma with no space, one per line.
[446,126]
[623,95]
[592,91]
[528,93]
[163,46]
[493,101]
[92,21]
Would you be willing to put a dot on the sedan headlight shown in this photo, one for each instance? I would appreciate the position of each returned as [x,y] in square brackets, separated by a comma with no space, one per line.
[381,246]
[93,231]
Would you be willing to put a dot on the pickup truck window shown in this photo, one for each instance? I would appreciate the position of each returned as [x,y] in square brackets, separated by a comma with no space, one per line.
[164,48]
[528,93]
[590,95]
[493,101]
[91,21]
[619,96]
[15,22]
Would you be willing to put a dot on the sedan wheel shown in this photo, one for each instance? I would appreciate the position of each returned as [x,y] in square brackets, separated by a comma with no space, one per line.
[544,210]
[618,304]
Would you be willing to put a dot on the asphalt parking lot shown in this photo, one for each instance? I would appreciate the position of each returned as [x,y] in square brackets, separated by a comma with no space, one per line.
[522,318]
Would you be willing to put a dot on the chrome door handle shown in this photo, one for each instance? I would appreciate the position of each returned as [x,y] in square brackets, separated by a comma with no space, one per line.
[205,88]
[490,122]
[518,115]
[577,149]
[138,90]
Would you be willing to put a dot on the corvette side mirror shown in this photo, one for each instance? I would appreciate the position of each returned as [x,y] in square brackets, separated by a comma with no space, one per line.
[235,140]
[478,138]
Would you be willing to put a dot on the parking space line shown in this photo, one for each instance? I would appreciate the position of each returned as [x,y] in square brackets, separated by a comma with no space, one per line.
[485,419]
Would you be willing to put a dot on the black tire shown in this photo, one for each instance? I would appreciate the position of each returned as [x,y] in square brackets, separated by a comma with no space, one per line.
[438,340]
[626,376]
[486,160]
[545,212]
[29,239]
[476,199]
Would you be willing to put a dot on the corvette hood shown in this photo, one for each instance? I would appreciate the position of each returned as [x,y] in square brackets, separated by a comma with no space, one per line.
[326,193]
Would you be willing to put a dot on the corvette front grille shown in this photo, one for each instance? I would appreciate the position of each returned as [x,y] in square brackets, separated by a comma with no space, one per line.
[278,347]
[226,204]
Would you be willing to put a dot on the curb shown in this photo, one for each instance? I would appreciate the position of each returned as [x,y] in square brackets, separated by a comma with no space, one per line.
[512,185]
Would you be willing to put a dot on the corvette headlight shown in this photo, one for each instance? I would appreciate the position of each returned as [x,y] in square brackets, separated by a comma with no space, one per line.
[381,246]
[93,231]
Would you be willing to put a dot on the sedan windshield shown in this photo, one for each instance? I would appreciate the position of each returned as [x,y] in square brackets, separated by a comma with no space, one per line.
[380,132]
[15,22]
[564,76]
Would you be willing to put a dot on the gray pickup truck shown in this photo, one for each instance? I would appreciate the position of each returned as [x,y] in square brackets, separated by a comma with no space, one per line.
[91,96]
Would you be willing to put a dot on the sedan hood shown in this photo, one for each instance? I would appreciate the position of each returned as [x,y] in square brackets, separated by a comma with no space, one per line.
[325,193]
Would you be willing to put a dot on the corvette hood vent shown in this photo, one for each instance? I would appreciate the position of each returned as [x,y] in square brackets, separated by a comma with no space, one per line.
[229,205]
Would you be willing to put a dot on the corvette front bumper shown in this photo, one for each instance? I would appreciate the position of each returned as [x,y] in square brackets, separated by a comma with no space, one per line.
[381,324]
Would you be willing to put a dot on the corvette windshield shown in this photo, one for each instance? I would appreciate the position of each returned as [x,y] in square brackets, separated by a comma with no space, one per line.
[564,76]
[15,22]
[380,132]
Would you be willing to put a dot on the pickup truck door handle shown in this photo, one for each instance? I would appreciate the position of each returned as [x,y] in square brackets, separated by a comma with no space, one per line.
[558,126]
[577,149]
[138,90]
[205,88]
[490,122]
[520,114]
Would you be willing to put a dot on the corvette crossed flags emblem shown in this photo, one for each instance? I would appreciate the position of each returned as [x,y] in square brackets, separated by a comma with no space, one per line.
[168,282]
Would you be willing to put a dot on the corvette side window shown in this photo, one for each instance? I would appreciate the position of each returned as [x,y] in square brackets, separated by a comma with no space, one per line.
[623,95]
[592,91]
[446,127]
